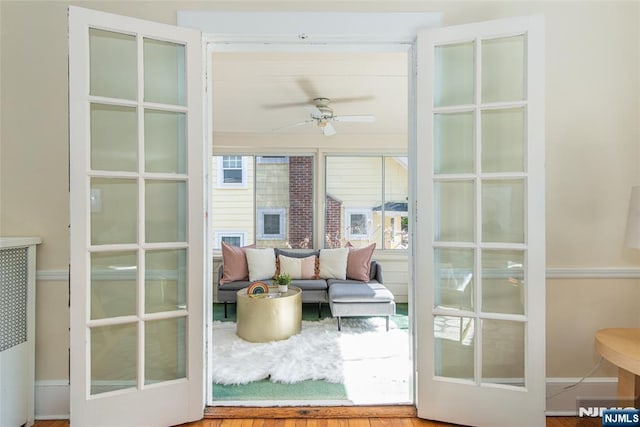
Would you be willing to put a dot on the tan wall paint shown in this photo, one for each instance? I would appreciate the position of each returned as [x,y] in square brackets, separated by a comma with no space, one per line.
[593,150]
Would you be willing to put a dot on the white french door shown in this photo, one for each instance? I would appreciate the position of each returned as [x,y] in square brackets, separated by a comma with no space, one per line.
[479,263]
[137,221]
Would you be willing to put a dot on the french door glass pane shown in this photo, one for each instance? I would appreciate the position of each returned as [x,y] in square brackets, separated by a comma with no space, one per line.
[114,211]
[113,64]
[454,74]
[453,143]
[503,352]
[454,204]
[165,344]
[164,72]
[453,282]
[503,211]
[113,357]
[165,211]
[165,280]
[503,62]
[114,138]
[113,284]
[454,340]
[165,141]
[503,286]
[503,140]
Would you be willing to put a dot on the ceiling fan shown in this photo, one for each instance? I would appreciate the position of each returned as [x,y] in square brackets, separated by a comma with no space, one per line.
[322,114]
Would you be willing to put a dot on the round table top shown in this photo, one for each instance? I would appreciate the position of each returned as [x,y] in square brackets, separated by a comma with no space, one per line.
[620,346]
[273,293]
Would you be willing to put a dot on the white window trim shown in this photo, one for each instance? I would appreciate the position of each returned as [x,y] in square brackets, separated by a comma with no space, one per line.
[220,174]
[218,235]
[272,159]
[283,220]
[368,213]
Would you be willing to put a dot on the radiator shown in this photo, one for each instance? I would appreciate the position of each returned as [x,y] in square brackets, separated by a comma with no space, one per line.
[17,330]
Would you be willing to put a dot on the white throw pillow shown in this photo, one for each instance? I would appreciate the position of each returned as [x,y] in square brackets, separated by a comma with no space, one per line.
[261,263]
[333,263]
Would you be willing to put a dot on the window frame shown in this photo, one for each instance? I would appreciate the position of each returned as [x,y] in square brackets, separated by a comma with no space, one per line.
[271,159]
[368,214]
[220,172]
[219,235]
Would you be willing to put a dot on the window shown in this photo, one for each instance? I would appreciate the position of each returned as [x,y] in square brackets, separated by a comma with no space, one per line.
[365,198]
[232,171]
[275,204]
[366,201]
[271,223]
[358,224]
[233,238]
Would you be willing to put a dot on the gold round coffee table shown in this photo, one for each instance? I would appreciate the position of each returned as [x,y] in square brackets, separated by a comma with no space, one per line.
[269,317]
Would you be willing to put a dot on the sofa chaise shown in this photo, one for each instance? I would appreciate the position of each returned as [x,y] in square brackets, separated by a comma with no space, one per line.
[351,293]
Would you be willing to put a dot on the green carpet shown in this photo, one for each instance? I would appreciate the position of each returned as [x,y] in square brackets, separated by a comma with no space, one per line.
[310,312]
[266,390]
[306,390]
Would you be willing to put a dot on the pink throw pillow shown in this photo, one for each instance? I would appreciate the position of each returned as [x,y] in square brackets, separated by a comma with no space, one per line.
[234,263]
[298,268]
[359,262]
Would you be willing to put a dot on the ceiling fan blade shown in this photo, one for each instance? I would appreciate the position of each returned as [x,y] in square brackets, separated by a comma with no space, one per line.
[286,105]
[307,87]
[295,125]
[328,130]
[360,118]
[362,98]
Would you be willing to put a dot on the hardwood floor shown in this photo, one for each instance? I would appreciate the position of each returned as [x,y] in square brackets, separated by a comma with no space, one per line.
[334,422]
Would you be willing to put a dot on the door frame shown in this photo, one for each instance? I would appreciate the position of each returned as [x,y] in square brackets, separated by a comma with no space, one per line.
[303,32]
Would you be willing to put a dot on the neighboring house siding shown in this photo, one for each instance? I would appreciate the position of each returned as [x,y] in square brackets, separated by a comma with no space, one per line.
[234,207]
[358,183]
[272,191]
[396,177]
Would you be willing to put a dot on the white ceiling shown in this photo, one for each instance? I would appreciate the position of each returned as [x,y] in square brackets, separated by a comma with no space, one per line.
[251,91]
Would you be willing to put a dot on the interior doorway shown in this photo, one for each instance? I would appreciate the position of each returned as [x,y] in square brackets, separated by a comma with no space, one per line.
[308,32]
[261,103]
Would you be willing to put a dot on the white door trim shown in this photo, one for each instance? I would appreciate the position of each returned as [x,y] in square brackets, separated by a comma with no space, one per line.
[279,32]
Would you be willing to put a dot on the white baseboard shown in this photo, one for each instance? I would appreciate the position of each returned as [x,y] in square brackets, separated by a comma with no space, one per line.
[563,402]
[52,400]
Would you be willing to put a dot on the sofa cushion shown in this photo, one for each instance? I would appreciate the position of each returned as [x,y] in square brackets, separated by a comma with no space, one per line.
[236,286]
[333,263]
[373,270]
[316,284]
[359,262]
[359,292]
[297,253]
[234,263]
[261,263]
[298,268]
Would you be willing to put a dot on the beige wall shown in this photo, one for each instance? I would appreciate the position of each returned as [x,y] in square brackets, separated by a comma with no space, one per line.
[593,152]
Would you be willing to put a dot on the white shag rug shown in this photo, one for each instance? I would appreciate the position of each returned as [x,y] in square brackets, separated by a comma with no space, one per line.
[320,352]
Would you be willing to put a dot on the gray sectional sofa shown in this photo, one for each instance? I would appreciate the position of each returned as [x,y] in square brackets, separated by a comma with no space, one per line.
[346,298]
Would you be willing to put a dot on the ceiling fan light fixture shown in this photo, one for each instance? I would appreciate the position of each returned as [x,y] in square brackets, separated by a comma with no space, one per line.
[323,115]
